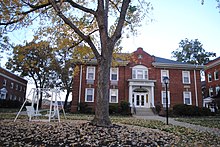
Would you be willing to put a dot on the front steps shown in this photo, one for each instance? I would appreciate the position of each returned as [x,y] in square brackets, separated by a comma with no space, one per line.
[143,112]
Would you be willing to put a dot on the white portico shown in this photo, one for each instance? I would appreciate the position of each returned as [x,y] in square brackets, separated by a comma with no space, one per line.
[141,90]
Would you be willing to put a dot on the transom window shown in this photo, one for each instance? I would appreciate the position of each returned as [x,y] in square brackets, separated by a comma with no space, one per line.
[90,74]
[216,75]
[114,74]
[89,96]
[187,98]
[163,97]
[186,77]
[139,72]
[113,98]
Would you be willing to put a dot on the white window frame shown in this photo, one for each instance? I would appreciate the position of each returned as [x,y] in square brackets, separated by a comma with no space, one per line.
[4,82]
[86,91]
[217,88]
[142,69]
[3,96]
[111,73]
[12,85]
[209,77]
[164,73]
[215,77]
[163,96]
[211,93]
[188,76]
[110,95]
[190,97]
[87,72]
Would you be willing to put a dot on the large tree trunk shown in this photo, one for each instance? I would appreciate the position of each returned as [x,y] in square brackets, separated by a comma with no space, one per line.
[102,98]
[67,96]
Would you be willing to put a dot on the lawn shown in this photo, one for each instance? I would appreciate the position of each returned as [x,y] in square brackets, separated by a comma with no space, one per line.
[184,136]
[209,121]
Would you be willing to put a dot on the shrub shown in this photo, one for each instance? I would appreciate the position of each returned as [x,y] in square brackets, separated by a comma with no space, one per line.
[84,108]
[113,108]
[125,108]
[10,104]
[189,110]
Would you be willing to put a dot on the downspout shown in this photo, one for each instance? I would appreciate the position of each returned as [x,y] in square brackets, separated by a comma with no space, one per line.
[196,91]
[80,85]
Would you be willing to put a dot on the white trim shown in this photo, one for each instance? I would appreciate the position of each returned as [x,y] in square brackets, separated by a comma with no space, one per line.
[117,70]
[217,88]
[110,94]
[87,73]
[188,76]
[80,84]
[92,94]
[196,91]
[190,97]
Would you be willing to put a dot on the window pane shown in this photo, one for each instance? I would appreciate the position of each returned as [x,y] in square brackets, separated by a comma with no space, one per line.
[114,77]
[113,99]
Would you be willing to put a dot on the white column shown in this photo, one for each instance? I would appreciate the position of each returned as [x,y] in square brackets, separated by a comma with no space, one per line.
[130,95]
[152,96]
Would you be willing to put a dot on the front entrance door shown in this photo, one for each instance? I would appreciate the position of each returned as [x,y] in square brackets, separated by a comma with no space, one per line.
[141,100]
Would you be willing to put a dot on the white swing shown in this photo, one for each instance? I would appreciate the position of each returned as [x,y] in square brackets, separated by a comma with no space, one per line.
[52,114]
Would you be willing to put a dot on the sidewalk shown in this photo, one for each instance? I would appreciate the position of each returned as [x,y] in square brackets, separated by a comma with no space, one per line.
[213,131]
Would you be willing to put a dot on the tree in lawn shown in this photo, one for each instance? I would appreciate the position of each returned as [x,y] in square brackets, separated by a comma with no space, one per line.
[98,23]
[192,52]
[33,60]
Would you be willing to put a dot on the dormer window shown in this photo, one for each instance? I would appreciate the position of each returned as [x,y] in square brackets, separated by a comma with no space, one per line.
[139,72]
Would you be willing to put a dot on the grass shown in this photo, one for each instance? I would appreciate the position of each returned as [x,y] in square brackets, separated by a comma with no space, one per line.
[211,121]
[187,137]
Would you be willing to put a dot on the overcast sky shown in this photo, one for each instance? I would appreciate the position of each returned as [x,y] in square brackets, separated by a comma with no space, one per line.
[175,20]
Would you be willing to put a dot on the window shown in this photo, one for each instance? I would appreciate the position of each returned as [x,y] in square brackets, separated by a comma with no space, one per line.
[217,89]
[140,56]
[89,96]
[139,72]
[209,77]
[216,75]
[12,85]
[164,73]
[186,77]
[163,97]
[114,74]
[210,91]
[113,98]
[16,87]
[90,75]
[4,82]
[187,98]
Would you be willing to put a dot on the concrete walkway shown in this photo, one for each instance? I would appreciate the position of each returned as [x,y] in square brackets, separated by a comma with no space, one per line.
[213,131]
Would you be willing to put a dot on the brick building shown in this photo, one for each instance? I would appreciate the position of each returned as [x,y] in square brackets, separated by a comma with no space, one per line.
[211,93]
[12,87]
[212,71]
[139,82]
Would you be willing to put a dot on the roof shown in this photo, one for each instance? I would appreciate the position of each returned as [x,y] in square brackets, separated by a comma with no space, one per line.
[12,76]
[213,63]
[167,63]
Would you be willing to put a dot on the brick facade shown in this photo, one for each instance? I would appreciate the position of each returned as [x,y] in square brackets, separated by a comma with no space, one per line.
[212,71]
[139,82]
[12,87]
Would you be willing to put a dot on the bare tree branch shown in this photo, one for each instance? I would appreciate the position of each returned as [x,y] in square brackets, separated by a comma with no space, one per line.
[68,22]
